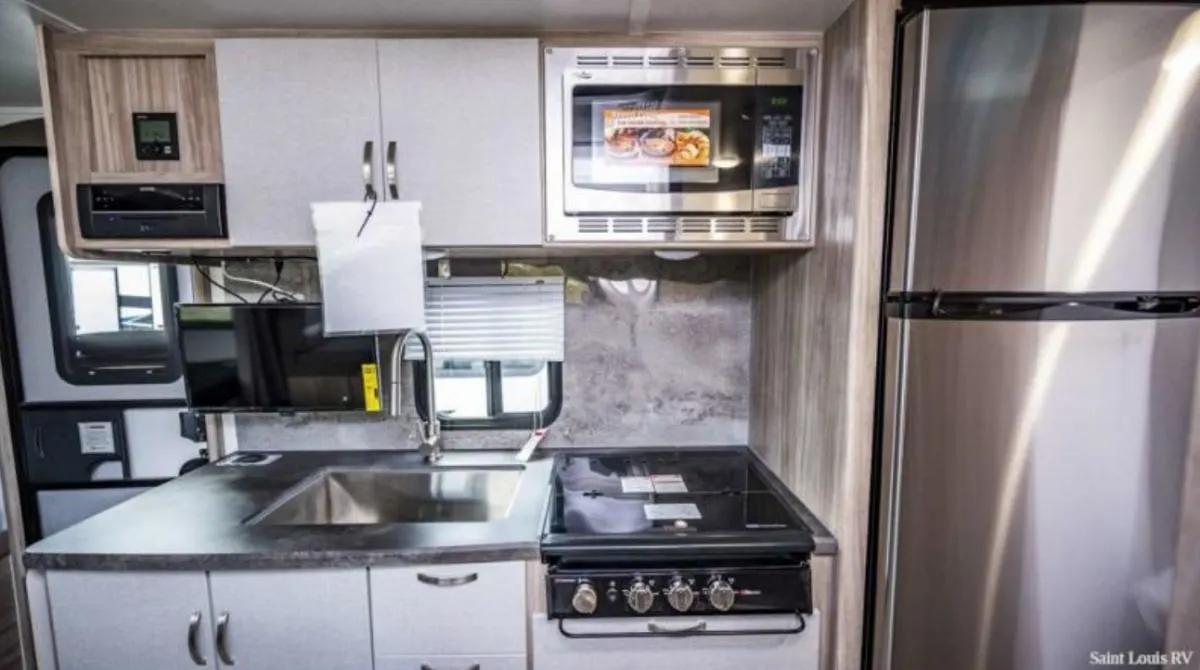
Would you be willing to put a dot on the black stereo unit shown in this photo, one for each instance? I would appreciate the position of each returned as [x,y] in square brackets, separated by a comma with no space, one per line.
[139,211]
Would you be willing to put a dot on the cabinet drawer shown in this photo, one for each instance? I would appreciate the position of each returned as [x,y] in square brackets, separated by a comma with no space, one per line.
[451,663]
[438,610]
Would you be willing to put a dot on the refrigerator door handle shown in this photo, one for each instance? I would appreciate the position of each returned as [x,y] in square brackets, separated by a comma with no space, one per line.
[1167,305]
[1048,307]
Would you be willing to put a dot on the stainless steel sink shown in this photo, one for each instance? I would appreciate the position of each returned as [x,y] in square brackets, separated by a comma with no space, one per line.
[371,496]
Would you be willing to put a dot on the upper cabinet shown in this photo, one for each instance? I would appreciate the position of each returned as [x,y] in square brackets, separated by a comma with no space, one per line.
[462,135]
[247,132]
[130,115]
[300,124]
[451,123]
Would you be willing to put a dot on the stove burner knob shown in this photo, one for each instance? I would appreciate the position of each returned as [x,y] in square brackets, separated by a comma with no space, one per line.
[721,595]
[584,601]
[680,596]
[640,597]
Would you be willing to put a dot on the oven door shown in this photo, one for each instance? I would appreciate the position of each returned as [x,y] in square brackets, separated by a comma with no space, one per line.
[700,643]
[678,140]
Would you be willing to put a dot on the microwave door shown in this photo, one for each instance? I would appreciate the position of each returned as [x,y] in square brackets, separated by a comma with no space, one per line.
[656,141]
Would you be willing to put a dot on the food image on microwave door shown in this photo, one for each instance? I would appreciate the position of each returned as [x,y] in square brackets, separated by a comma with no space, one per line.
[621,143]
[692,147]
[669,137]
[657,142]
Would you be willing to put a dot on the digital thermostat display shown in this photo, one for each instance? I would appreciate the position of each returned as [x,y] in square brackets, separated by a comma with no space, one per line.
[156,136]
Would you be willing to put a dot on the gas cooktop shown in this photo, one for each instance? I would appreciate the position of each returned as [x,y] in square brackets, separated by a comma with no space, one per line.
[673,532]
[621,501]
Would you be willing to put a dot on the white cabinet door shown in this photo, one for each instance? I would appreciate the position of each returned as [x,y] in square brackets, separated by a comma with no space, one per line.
[296,115]
[105,620]
[451,663]
[466,609]
[296,619]
[465,118]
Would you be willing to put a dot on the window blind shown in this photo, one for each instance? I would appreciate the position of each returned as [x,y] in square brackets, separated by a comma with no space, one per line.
[493,319]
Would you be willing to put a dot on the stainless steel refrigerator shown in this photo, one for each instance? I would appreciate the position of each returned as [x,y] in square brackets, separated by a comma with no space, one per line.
[1042,336]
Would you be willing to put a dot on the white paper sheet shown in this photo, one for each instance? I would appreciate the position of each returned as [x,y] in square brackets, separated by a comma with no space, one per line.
[373,282]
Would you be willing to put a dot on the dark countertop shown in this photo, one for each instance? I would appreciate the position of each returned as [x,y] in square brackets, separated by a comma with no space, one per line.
[195,522]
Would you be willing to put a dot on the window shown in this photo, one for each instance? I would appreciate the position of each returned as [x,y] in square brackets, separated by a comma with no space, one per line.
[109,319]
[498,348]
[492,394]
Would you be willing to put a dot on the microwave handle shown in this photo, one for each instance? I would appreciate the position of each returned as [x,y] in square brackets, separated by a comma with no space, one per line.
[393,189]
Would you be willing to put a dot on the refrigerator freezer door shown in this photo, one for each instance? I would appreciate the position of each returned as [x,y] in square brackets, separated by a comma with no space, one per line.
[1049,148]
[1036,502]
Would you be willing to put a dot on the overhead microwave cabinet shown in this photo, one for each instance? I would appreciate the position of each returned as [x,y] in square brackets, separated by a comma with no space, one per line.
[461,119]
[299,124]
[123,110]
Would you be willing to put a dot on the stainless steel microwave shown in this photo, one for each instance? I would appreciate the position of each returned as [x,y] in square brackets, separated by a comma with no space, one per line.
[680,145]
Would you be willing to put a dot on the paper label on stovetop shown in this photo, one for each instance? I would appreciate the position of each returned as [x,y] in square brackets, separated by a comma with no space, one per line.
[669,484]
[660,512]
[654,484]
[637,485]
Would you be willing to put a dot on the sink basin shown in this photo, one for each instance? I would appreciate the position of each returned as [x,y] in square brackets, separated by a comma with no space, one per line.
[371,496]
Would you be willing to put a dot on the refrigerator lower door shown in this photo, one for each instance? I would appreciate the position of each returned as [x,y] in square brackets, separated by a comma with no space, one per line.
[1034,473]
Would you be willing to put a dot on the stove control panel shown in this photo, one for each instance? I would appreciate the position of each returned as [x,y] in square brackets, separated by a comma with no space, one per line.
[581,593]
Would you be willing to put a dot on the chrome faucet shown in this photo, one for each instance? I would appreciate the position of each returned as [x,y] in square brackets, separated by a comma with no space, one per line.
[431,430]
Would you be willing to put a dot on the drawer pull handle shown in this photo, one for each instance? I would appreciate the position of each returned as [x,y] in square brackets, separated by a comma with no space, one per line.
[447,581]
[393,188]
[222,639]
[367,167]
[694,628]
[193,639]
[430,667]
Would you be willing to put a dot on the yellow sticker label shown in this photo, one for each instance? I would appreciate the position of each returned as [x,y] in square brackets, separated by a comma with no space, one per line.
[370,375]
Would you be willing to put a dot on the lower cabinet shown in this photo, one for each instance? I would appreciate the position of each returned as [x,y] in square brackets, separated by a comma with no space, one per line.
[105,620]
[258,620]
[268,620]
[443,617]
[449,610]
[451,663]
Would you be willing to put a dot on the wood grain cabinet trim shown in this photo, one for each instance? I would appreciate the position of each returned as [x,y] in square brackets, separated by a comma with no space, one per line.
[120,87]
[91,86]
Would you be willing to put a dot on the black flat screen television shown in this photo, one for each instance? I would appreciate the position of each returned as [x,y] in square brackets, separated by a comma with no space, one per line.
[269,358]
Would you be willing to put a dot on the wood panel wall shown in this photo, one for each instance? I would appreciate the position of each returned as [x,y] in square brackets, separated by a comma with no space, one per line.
[816,319]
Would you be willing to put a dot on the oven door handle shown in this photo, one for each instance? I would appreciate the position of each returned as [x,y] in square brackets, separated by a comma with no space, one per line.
[700,629]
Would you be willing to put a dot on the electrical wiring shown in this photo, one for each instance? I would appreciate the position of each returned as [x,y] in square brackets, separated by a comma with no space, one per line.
[273,289]
[278,277]
[219,285]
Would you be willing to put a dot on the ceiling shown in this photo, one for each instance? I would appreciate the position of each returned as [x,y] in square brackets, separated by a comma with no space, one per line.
[18,57]
[550,15]
[18,65]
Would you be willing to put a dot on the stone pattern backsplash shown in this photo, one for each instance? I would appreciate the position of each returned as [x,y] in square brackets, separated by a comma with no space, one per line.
[657,353]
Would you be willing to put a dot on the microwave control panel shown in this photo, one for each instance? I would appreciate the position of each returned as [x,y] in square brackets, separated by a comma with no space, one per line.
[780,110]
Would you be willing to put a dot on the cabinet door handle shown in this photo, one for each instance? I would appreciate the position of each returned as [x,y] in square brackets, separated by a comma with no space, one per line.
[367,167]
[222,640]
[193,639]
[446,581]
[430,667]
[694,628]
[393,187]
